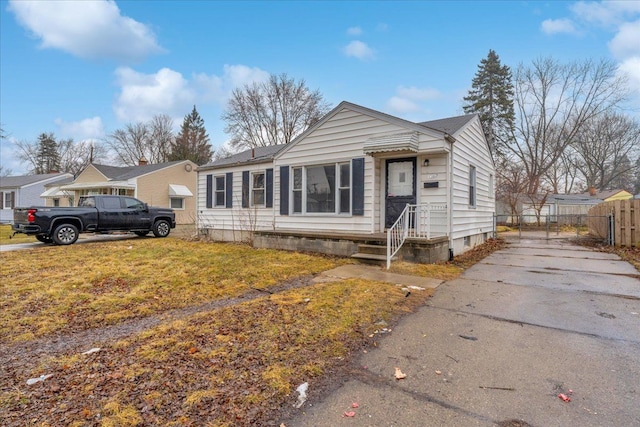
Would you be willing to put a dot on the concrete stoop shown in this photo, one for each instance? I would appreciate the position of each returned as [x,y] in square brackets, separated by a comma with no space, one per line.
[371,254]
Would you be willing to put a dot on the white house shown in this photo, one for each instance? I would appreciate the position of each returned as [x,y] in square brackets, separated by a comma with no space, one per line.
[356,178]
[26,190]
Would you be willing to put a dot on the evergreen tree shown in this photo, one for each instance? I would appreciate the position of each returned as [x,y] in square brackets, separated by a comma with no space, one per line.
[47,156]
[192,143]
[491,96]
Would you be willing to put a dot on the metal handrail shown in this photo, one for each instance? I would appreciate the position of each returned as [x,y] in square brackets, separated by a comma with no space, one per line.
[417,221]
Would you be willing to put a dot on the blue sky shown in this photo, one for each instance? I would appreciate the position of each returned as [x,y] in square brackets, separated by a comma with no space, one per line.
[82,69]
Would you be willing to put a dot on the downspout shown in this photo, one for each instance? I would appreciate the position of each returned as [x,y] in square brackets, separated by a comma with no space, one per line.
[450,140]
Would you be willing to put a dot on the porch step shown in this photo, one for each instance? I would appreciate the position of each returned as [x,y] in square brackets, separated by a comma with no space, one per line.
[370,258]
[371,254]
[372,249]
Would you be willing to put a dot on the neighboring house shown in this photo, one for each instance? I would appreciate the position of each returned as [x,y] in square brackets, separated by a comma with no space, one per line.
[56,197]
[610,195]
[558,205]
[26,190]
[347,180]
[171,184]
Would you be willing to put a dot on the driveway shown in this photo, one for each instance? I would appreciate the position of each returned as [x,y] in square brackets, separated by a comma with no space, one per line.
[498,345]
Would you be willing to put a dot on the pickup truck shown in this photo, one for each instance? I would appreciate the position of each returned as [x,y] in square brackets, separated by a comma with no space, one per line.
[94,214]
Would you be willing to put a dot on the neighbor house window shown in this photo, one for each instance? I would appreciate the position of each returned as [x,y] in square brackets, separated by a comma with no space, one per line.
[177,203]
[257,189]
[8,196]
[472,186]
[56,202]
[220,191]
[296,190]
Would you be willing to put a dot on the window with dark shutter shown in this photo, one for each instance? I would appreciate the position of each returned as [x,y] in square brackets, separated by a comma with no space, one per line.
[269,188]
[209,191]
[229,190]
[284,190]
[358,186]
[245,189]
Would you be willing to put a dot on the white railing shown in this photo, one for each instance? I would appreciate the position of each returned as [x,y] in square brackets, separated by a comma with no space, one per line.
[425,221]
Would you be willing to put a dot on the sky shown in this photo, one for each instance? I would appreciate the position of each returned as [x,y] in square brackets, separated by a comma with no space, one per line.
[82,69]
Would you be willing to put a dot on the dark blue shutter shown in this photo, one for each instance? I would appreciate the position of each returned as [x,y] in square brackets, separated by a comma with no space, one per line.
[284,190]
[228,183]
[209,191]
[245,189]
[269,188]
[357,172]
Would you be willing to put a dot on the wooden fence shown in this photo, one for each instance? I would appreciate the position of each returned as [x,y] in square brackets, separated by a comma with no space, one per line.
[626,225]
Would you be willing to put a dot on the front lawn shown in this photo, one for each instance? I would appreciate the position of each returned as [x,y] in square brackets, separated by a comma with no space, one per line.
[235,330]
[7,237]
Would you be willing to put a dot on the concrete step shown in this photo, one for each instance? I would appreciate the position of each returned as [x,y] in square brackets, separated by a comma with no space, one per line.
[372,259]
[372,249]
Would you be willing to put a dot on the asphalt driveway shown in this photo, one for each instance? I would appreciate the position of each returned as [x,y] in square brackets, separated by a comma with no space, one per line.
[500,344]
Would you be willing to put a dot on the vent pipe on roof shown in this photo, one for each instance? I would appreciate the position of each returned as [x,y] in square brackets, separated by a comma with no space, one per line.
[253,153]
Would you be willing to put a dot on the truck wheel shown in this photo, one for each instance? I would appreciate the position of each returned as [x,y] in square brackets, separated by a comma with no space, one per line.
[161,228]
[44,239]
[65,234]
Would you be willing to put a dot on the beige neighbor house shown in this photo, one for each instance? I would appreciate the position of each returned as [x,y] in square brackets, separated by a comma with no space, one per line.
[171,184]
[358,183]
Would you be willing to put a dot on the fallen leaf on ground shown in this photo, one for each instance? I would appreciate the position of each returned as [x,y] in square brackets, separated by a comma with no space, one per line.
[399,374]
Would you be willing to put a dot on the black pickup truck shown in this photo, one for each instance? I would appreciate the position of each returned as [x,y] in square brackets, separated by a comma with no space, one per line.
[94,214]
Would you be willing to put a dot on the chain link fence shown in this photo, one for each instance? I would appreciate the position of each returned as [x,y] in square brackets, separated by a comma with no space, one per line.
[547,227]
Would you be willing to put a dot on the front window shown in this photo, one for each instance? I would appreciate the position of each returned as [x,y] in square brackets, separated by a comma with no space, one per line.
[257,189]
[7,200]
[56,202]
[220,191]
[177,203]
[322,188]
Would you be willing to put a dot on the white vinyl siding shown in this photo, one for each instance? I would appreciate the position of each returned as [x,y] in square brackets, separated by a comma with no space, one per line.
[235,218]
[471,150]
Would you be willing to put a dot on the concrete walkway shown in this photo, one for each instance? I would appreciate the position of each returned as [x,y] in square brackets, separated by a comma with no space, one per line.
[498,345]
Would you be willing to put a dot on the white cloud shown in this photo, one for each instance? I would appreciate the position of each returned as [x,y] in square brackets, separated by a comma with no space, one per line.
[88,29]
[403,105]
[556,26]
[631,68]
[627,41]
[169,92]
[382,27]
[354,31]
[360,50]
[605,13]
[418,94]
[91,128]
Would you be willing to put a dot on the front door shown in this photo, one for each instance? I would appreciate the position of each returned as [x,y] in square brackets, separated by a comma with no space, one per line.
[400,188]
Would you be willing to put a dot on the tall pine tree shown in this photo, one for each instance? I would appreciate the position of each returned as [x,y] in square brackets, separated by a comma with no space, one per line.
[47,156]
[491,96]
[192,143]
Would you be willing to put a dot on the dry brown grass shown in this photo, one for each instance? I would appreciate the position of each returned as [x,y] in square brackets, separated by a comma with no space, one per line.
[61,289]
[7,237]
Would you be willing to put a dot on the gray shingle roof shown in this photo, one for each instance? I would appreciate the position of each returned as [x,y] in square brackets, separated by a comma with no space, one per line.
[21,181]
[118,173]
[256,155]
[448,125]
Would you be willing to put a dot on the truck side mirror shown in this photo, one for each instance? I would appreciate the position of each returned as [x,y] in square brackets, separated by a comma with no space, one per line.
[145,207]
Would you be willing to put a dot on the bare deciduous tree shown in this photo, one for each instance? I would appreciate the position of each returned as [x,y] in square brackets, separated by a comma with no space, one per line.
[150,140]
[75,156]
[554,102]
[607,147]
[271,113]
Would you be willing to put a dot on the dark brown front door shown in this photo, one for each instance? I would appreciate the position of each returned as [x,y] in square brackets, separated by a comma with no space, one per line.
[400,187]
